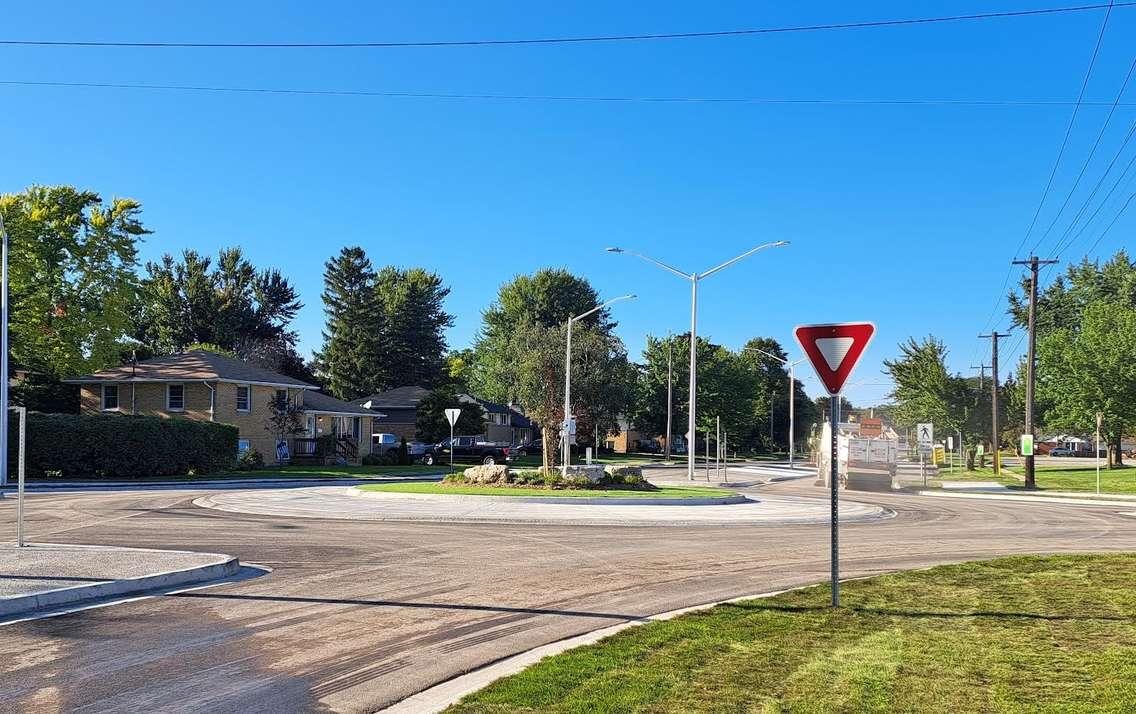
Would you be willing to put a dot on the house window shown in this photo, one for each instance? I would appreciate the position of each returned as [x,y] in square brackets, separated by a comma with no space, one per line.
[244,397]
[281,396]
[175,397]
[356,427]
[110,397]
[242,446]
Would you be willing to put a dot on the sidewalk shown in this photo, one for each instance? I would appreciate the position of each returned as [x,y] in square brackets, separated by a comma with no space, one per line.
[46,576]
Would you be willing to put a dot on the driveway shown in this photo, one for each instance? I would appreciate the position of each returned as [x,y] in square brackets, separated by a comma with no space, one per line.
[359,614]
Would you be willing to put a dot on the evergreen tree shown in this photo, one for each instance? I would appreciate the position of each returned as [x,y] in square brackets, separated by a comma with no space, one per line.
[229,304]
[351,359]
[415,322]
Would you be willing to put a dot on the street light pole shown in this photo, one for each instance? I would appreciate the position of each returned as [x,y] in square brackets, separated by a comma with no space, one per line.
[694,278]
[3,354]
[670,398]
[565,436]
[792,394]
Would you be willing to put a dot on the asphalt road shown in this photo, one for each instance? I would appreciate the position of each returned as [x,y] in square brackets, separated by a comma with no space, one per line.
[357,615]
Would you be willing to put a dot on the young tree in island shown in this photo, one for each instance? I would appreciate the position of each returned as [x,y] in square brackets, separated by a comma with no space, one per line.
[351,359]
[538,352]
[547,298]
[72,286]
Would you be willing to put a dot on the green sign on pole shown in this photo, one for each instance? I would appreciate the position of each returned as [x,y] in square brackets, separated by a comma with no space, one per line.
[1027,445]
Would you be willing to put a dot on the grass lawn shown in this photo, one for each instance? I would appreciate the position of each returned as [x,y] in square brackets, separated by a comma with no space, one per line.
[1015,634]
[1056,478]
[471,490]
[280,472]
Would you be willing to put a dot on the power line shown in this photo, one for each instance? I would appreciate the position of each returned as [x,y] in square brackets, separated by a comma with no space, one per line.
[1088,159]
[1113,223]
[1068,129]
[1053,172]
[1063,245]
[582,39]
[838,101]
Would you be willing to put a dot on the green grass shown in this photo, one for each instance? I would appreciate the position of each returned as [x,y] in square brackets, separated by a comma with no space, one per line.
[471,490]
[1055,478]
[281,472]
[1045,634]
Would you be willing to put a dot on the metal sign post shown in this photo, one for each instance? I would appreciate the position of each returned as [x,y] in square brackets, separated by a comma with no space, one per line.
[1096,455]
[834,350]
[20,475]
[452,417]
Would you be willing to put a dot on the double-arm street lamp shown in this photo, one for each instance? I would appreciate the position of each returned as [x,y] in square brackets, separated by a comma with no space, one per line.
[694,279]
[565,436]
[792,394]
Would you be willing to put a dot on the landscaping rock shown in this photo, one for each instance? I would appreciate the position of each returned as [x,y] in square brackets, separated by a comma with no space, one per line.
[593,473]
[487,474]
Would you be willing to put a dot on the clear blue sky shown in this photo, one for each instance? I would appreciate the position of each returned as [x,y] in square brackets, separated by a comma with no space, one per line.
[905,215]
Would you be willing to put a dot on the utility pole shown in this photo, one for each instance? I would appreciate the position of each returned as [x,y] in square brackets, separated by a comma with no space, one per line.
[981,374]
[670,399]
[1031,342]
[994,398]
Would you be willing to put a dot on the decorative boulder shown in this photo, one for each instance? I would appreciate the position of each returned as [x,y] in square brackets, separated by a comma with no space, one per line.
[593,473]
[487,474]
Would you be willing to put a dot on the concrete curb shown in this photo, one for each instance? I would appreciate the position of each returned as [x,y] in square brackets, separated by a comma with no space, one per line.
[225,566]
[1086,500]
[57,486]
[444,694]
[561,500]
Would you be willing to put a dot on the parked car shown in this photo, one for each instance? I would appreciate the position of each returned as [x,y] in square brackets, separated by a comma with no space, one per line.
[382,443]
[533,448]
[466,450]
[1062,451]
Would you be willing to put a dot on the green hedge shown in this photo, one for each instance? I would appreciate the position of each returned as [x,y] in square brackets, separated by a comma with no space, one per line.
[89,446]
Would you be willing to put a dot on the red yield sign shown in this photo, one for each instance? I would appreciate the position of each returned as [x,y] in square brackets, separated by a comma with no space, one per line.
[834,349]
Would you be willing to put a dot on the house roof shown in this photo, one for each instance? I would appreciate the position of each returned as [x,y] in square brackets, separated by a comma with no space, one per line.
[406,397]
[326,404]
[195,365]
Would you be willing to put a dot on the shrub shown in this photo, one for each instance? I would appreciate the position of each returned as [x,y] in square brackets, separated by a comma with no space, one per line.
[532,477]
[403,454]
[552,479]
[250,460]
[624,475]
[121,446]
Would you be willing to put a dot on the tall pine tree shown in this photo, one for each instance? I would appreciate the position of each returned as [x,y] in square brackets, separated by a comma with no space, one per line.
[351,361]
[415,322]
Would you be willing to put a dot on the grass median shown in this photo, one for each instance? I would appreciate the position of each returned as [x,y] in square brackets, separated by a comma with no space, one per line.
[1054,478]
[676,492]
[1016,634]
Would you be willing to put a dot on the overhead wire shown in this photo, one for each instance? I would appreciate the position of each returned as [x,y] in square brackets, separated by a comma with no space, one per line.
[856,25]
[846,101]
[1053,171]
[1088,157]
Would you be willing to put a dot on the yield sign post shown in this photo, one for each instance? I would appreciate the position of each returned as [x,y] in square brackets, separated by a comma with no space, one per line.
[452,417]
[834,350]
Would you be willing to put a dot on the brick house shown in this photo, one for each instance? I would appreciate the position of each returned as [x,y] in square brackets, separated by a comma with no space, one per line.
[503,423]
[210,387]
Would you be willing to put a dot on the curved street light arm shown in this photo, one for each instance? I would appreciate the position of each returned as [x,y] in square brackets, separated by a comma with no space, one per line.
[746,254]
[661,264]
